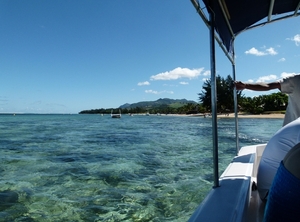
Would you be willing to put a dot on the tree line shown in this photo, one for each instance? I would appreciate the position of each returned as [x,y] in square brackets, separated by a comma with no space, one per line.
[257,105]
[163,109]
[275,102]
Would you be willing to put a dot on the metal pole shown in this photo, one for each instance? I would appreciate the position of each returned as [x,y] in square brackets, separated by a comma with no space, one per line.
[235,107]
[214,99]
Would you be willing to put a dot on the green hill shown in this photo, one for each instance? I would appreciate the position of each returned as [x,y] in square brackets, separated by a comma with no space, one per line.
[159,106]
[173,103]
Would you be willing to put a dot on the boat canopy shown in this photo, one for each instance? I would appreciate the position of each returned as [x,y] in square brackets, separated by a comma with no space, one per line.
[235,16]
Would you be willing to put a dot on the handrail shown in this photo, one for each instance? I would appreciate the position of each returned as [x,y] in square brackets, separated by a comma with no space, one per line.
[214,100]
[235,103]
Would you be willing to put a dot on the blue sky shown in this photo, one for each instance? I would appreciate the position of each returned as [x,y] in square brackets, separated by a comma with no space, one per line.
[68,56]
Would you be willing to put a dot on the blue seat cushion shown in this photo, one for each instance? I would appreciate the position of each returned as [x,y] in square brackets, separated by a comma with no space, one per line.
[283,202]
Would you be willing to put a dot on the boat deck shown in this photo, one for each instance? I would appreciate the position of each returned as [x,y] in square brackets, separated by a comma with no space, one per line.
[255,212]
[235,200]
[256,208]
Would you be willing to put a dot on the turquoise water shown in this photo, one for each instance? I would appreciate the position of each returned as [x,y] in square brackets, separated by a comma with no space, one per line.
[95,168]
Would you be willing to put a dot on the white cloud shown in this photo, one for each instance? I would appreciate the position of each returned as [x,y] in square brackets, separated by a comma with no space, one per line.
[206,73]
[254,51]
[151,91]
[281,60]
[178,73]
[286,74]
[146,83]
[271,78]
[296,39]
[271,51]
[184,83]
[170,85]
[156,92]
[268,78]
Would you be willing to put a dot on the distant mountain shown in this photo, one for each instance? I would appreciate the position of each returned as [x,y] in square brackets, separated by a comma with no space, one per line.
[165,106]
[126,105]
[175,103]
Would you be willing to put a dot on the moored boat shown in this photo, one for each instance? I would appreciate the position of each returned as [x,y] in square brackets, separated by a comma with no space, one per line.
[115,115]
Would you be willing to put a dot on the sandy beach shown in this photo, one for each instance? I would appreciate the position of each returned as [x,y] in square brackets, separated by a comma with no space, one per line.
[240,115]
[231,115]
[273,115]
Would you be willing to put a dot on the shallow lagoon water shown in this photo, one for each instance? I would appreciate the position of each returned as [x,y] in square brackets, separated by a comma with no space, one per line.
[95,168]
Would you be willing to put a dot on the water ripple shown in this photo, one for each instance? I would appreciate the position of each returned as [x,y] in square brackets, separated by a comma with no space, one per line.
[94,168]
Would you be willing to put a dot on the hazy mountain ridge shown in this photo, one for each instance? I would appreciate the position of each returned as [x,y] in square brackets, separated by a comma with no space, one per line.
[158,103]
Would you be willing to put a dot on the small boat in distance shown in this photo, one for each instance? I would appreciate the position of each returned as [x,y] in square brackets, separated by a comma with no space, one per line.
[115,115]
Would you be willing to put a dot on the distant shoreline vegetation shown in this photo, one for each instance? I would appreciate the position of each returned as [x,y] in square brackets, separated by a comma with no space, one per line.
[275,102]
[162,106]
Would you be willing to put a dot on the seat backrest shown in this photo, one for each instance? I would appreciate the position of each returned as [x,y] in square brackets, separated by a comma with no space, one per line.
[291,161]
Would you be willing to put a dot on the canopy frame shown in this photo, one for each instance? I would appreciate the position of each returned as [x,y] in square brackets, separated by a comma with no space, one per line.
[235,26]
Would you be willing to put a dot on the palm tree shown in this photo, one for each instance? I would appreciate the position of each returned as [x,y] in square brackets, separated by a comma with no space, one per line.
[224,94]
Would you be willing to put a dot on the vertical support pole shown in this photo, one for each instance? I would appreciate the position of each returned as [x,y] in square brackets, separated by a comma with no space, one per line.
[214,99]
[235,107]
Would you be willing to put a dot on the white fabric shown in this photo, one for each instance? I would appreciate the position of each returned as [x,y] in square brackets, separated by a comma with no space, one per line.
[278,146]
[291,86]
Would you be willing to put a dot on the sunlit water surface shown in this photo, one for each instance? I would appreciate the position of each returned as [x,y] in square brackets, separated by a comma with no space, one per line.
[95,168]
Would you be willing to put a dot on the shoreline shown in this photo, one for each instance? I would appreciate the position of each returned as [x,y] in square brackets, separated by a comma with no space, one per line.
[231,115]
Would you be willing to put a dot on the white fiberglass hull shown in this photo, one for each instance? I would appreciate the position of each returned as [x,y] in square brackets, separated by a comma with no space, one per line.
[234,199]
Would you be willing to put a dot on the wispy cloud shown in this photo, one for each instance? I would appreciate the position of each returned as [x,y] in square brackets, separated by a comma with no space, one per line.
[286,74]
[38,102]
[271,78]
[281,60]
[146,83]
[178,73]
[268,78]
[271,51]
[254,51]
[184,83]
[40,106]
[3,99]
[206,73]
[295,39]
[158,92]
[261,79]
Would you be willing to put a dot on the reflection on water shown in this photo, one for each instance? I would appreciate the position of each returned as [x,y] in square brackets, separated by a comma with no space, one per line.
[94,168]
